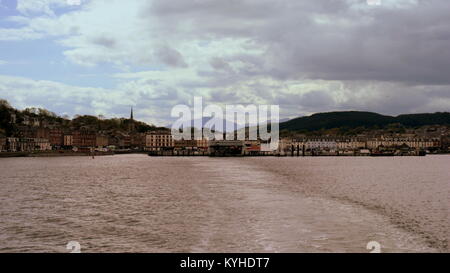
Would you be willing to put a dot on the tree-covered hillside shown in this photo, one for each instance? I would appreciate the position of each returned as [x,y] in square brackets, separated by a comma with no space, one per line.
[368,120]
[43,116]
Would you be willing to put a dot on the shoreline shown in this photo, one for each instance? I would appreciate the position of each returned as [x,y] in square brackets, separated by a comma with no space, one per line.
[57,153]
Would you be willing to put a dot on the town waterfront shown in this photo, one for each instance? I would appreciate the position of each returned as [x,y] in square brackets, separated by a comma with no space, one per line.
[137,203]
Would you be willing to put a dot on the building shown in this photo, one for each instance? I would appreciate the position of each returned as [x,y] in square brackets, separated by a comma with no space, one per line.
[284,145]
[321,144]
[84,138]
[34,144]
[26,132]
[138,140]
[123,140]
[202,144]
[113,141]
[191,144]
[27,144]
[42,144]
[351,144]
[12,144]
[159,141]
[226,147]
[185,144]
[414,143]
[30,121]
[68,140]
[287,145]
[252,146]
[445,142]
[101,141]
[42,133]
[3,144]
[56,138]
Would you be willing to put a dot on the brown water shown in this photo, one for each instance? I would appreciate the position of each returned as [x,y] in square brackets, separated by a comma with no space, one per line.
[136,203]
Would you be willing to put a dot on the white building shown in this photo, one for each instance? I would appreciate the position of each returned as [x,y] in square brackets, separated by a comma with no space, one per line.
[2,144]
[321,143]
[351,143]
[417,143]
[27,144]
[159,141]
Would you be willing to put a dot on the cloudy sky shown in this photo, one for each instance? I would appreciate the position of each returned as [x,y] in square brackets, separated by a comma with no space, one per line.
[103,56]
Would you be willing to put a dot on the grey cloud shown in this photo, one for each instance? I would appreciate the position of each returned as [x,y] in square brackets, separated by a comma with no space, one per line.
[104,41]
[170,57]
[390,60]
[396,99]
[317,99]
[407,48]
[219,64]
[408,44]
[223,96]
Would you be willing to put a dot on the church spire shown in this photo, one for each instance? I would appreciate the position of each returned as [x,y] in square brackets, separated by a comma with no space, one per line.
[131,125]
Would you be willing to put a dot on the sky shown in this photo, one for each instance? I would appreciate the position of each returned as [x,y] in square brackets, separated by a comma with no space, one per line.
[103,56]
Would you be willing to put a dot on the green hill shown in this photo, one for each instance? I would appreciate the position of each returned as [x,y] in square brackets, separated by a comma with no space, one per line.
[95,123]
[355,119]
[349,122]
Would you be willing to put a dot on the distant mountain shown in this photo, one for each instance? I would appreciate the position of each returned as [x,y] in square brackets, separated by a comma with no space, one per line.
[225,123]
[354,119]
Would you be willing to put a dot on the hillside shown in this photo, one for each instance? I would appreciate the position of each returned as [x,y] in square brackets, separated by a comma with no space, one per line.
[43,116]
[349,122]
[355,119]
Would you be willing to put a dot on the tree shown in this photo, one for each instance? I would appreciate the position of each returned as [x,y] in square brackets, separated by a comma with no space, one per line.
[5,117]
[5,104]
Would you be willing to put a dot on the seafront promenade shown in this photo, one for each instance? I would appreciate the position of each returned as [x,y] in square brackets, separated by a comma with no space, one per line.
[54,153]
[184,153]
